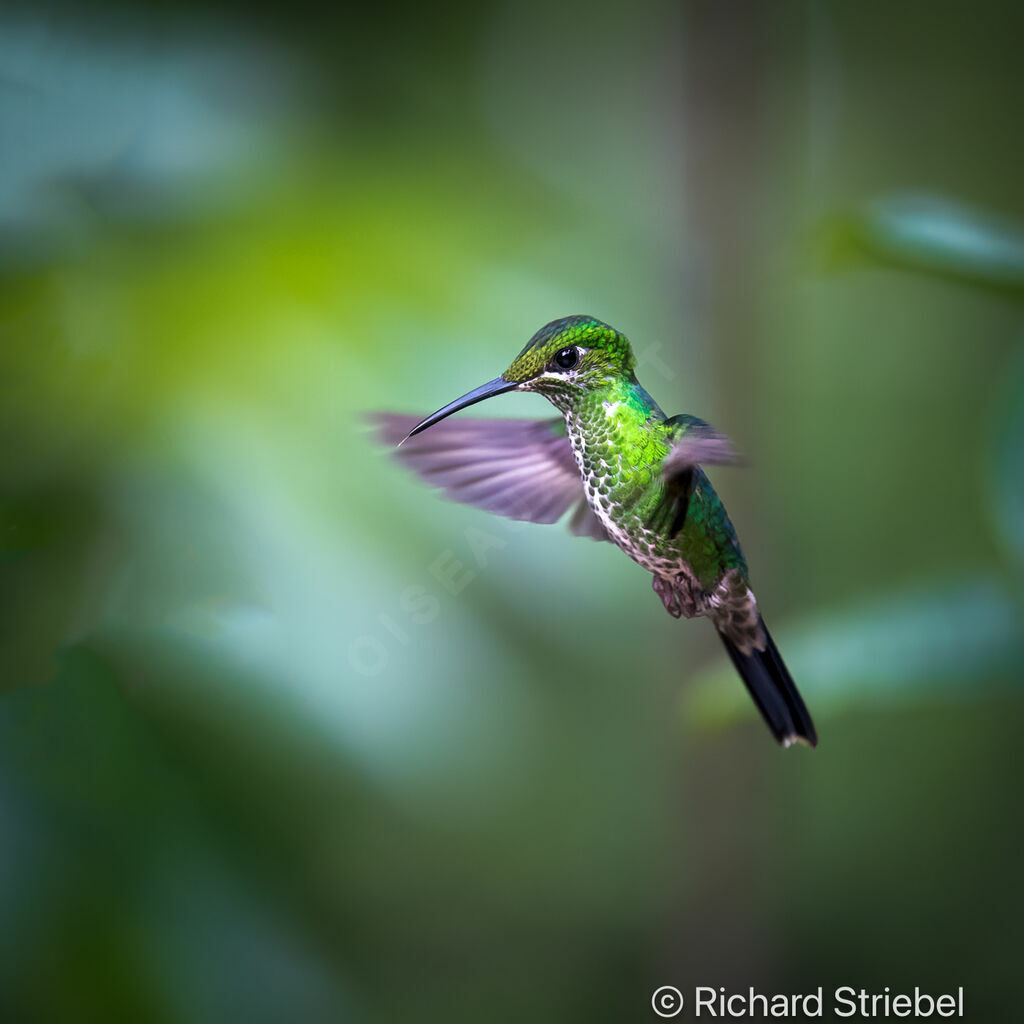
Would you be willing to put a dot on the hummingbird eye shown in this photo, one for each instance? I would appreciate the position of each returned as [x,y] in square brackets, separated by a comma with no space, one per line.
[567,358]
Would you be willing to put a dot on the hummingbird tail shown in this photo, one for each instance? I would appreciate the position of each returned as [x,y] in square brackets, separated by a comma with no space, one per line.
[769,683]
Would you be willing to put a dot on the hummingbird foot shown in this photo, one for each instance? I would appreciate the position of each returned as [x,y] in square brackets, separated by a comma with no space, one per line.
[677,601]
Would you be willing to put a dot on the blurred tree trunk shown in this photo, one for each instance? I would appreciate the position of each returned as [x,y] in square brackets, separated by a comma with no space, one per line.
[723,73]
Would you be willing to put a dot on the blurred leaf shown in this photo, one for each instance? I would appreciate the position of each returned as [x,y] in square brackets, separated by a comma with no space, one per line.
[137,120]
[1006,462]
[932,235]
[123,890]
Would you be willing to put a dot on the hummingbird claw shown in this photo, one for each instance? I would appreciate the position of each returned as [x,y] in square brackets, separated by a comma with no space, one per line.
[677,601]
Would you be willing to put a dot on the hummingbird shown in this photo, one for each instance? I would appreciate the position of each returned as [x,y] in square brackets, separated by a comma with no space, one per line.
[629,474]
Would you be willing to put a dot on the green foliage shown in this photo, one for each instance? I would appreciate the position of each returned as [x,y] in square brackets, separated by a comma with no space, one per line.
[281,737]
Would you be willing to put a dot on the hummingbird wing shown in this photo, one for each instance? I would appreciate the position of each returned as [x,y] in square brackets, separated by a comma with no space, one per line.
[522,469]
[693,442]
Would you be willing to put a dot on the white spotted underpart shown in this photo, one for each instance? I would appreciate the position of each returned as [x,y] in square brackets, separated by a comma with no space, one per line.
[629,532]
[732,605]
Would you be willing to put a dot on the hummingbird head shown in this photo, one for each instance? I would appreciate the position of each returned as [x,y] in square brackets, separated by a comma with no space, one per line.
[569,357]
[565,360]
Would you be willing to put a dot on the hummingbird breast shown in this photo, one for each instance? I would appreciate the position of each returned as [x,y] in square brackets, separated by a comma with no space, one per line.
[619,450]
[620,439]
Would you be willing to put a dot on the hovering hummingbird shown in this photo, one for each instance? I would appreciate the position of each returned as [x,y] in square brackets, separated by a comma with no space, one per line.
[631,476]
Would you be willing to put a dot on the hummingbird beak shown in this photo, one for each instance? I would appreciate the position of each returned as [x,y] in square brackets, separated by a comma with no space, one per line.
[498,386]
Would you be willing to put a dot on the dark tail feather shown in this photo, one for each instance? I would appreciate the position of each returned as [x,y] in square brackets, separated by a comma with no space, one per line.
[768,680]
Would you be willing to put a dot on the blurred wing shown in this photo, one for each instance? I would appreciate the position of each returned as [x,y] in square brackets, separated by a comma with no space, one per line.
[695,442]
[522,469]
[584,523]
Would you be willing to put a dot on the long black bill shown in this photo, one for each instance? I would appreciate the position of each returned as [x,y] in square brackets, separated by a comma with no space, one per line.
[498,386]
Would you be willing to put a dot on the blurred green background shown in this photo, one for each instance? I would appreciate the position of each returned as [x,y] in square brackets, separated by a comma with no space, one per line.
[257,761]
